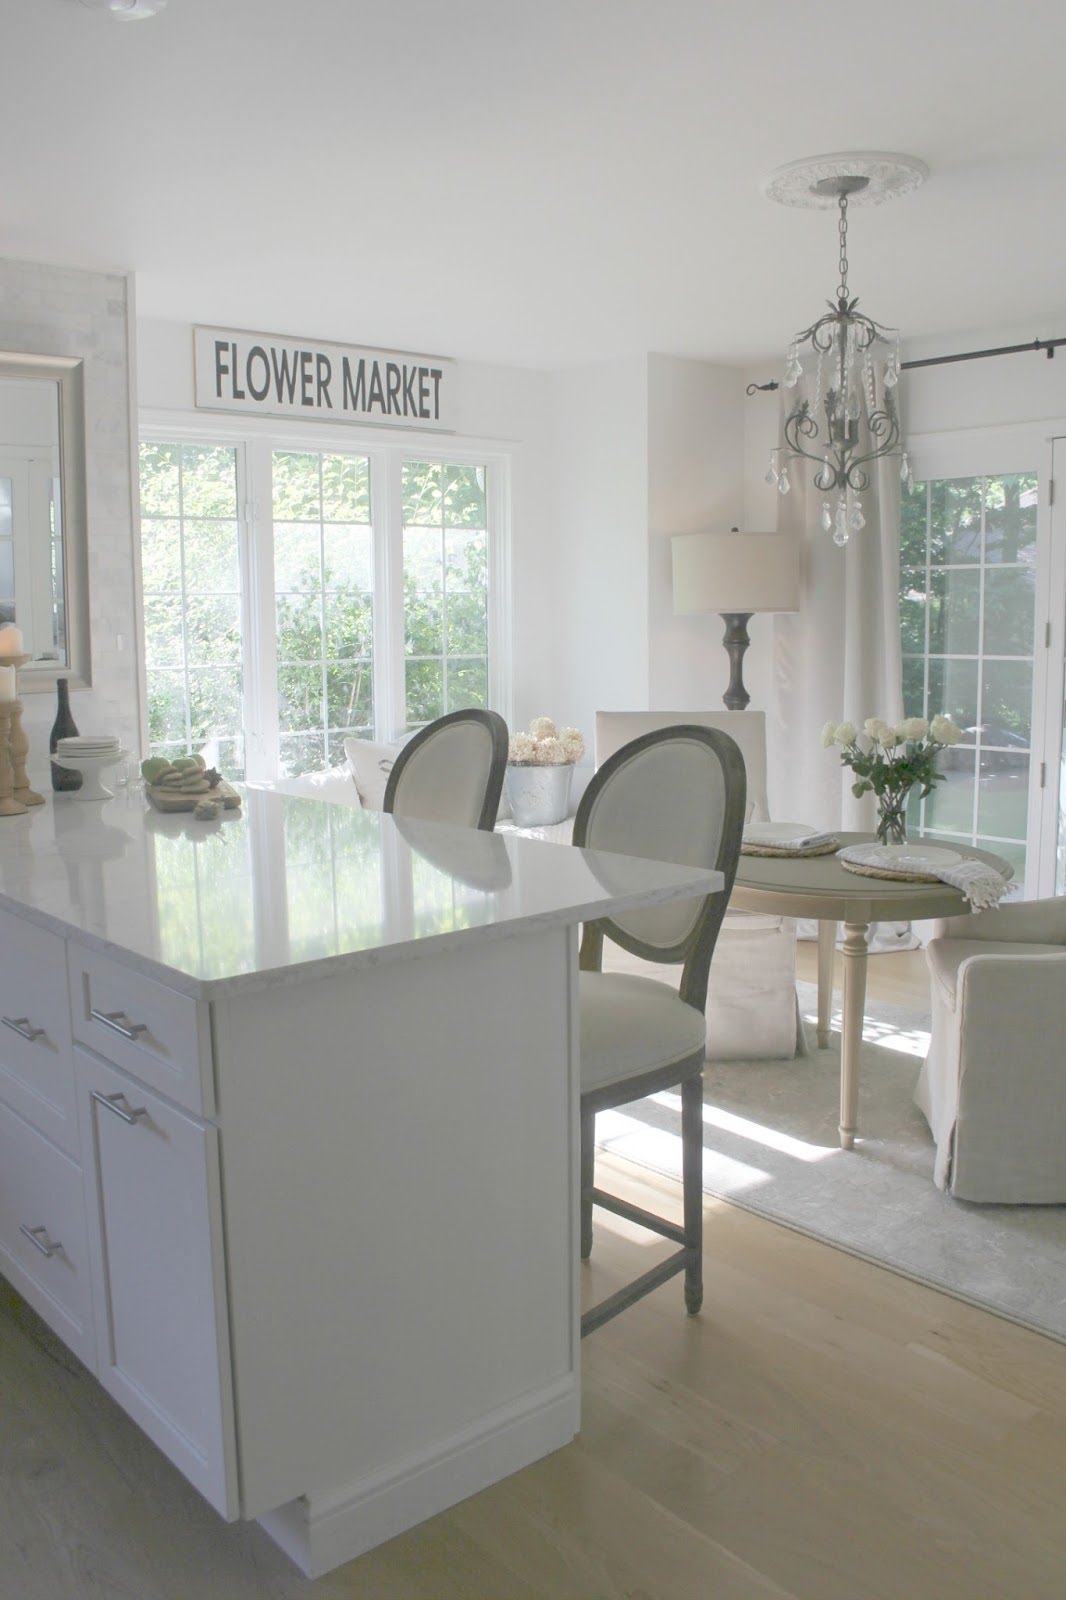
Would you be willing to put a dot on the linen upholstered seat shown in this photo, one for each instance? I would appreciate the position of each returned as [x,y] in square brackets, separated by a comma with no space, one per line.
[676,794]
[993,1085]
[451,771]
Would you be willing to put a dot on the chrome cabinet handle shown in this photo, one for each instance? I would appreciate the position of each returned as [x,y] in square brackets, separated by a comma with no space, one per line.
[23,1027]
[128,1029]
[124,1110]
[44,1244]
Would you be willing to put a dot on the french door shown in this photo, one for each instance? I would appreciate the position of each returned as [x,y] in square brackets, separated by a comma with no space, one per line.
[983,617]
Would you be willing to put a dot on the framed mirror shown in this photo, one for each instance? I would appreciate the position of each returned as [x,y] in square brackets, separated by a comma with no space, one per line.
[43,534]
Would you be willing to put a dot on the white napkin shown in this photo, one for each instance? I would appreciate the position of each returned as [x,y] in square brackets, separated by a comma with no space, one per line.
[982,885]
[765,841]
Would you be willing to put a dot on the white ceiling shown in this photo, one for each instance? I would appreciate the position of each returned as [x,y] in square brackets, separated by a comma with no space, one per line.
[544,183]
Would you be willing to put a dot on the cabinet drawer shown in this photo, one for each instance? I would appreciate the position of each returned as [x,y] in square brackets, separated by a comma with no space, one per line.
[43,1246]
[36,1066]
[159,1294]
[159,1035]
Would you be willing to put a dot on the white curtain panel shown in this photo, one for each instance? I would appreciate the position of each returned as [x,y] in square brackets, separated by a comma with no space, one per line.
[838,658]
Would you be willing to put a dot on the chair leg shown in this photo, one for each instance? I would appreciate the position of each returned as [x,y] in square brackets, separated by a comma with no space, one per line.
[692,1183]
[588,1162]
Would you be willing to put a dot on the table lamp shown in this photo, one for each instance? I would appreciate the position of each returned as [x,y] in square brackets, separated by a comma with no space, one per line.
[735,574]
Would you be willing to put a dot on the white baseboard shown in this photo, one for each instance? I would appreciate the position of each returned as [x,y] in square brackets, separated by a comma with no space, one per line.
[320,1531]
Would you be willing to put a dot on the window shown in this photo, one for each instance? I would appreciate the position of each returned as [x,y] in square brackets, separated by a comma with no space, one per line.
[445,587]
[324,606]
[367,608]
[968,605]
[191,579]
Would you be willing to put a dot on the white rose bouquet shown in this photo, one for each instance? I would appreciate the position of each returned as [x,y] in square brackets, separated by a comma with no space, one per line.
[896,756]
[545,745]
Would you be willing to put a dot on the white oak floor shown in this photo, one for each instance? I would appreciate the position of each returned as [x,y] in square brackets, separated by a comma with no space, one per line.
[823,1431]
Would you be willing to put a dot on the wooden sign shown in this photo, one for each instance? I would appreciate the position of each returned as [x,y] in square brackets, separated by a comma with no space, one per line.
[262,373]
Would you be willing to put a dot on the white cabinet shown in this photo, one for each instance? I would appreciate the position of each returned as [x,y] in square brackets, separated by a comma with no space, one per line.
[43,1250]
[36,1072]
[155,1233]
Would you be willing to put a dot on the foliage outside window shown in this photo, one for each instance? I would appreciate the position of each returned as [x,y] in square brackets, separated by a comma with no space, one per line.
[341,659]
[446,595]
[191,579]
[967,611]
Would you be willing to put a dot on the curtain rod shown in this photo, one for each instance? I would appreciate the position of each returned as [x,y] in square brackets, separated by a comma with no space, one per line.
[1049,346]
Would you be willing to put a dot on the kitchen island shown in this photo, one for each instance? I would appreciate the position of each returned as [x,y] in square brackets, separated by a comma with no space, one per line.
[288,1142]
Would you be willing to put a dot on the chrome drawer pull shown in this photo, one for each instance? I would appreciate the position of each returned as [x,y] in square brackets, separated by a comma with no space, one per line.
[128,1029]
[127,1112]
[44,1244]
[23,1027]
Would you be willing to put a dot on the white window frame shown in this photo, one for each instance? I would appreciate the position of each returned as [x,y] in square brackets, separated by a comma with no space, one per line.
[990,452]
[255,439]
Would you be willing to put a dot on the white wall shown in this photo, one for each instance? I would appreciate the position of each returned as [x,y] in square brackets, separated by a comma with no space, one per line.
[61,311]
[597,618]
[695,485]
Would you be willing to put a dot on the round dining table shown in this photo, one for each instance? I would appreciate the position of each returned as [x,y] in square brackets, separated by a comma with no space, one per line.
[821,887]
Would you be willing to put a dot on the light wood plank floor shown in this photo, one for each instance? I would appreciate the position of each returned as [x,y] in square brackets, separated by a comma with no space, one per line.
[823,1431]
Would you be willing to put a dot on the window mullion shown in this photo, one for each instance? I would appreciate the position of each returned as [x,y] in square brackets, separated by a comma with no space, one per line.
[261,653]
[386,509]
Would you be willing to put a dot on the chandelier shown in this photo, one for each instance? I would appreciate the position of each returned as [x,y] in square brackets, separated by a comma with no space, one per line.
[845,417]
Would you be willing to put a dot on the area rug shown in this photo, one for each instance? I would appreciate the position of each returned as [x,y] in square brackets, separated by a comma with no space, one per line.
[770,1146]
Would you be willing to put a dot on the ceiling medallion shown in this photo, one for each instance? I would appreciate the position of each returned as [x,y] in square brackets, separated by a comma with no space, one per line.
[127,10]
[846,416]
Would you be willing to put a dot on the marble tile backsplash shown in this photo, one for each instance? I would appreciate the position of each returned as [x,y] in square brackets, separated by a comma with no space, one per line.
[63,311]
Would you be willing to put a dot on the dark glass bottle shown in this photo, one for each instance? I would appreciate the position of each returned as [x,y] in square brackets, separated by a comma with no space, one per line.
[64,727]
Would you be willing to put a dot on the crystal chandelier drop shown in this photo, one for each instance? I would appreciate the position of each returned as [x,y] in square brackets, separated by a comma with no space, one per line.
[845,416]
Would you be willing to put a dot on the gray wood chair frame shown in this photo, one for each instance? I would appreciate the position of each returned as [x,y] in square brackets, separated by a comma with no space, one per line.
[695,952]
[497,728]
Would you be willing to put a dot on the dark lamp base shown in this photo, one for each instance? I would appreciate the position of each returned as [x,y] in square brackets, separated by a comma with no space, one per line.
[736,641]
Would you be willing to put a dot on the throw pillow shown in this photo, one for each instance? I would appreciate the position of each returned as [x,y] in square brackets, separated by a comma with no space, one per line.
[371,765]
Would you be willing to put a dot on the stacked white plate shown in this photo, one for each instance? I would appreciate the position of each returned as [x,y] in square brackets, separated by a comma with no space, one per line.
[88,744]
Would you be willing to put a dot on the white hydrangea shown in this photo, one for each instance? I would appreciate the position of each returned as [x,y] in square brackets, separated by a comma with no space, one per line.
[549,752]
[573,743]
[944,731]
[522,749]
[542,728]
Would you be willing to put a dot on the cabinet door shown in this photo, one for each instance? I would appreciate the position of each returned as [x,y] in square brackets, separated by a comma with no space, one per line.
[36,1069]
[43,1249]
[154,1213]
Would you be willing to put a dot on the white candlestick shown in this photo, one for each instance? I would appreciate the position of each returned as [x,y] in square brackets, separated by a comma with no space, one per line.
[7,684]
[10,640]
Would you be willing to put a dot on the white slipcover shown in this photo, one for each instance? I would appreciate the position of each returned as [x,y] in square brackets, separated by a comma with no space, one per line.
[993,1086]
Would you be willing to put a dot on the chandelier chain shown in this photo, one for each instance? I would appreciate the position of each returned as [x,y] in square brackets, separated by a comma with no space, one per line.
[842,286]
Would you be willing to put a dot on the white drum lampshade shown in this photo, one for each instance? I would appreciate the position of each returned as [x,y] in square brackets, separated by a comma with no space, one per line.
[735,574]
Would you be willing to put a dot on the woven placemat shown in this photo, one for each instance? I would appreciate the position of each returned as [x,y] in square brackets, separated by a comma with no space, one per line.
[888,872]
[827,849]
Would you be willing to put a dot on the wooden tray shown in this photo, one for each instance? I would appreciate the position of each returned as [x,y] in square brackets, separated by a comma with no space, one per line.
[167,800]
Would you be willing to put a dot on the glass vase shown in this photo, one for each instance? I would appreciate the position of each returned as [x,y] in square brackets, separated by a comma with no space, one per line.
[892,816]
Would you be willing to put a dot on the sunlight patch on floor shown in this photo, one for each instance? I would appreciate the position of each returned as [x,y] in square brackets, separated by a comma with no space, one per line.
[906,1041]
[744,1128]
[654,1147]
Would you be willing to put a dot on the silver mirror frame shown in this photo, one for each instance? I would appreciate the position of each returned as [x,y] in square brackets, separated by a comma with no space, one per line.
[68,373]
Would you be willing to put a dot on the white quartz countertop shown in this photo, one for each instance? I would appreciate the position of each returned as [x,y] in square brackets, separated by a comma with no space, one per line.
[289,888]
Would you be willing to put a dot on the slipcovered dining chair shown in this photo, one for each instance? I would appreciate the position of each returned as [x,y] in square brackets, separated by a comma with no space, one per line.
[674,795]
[451,771]
[993,1085]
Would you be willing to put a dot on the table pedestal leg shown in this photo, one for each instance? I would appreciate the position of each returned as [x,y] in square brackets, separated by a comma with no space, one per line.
[855,949]
[827,939]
